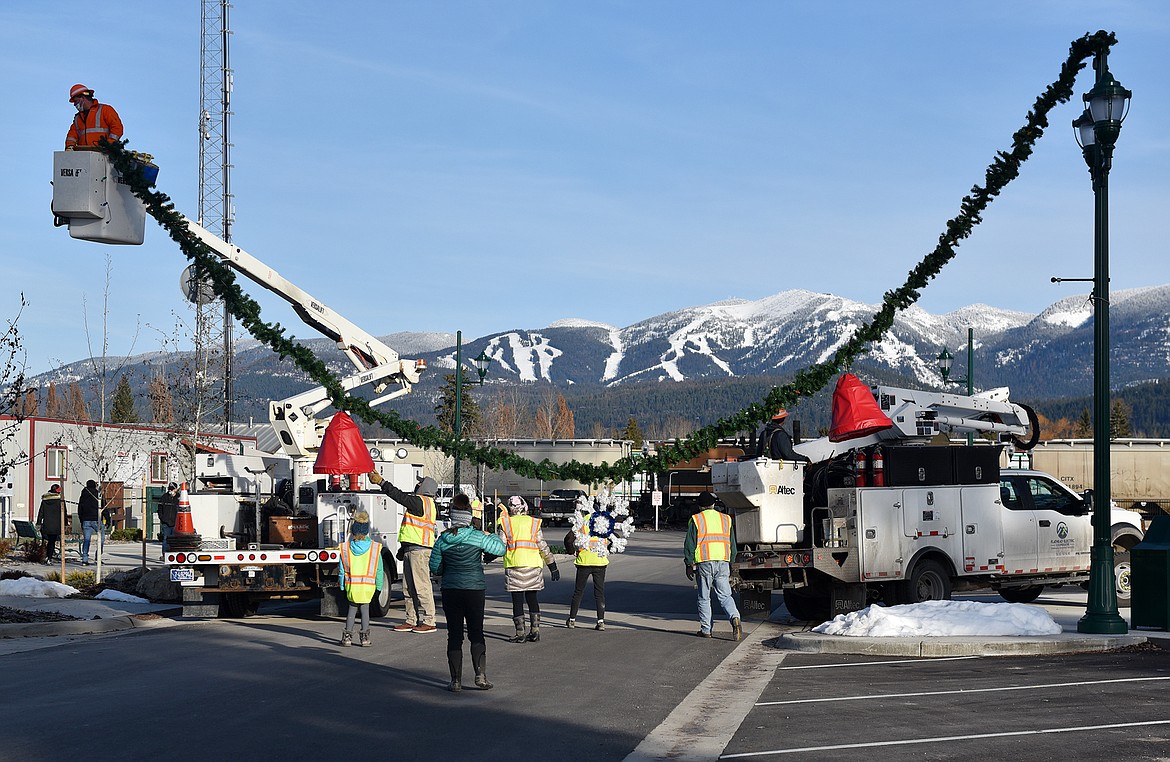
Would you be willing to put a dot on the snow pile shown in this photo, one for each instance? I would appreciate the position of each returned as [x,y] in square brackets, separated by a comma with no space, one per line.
[117,595]
[943,619]
[31,587]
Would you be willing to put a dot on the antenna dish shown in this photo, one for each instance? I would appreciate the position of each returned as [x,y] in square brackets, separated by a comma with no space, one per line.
[194,290]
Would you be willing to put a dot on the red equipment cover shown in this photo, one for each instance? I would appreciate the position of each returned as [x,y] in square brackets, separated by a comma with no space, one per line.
[342,449]
[855,411]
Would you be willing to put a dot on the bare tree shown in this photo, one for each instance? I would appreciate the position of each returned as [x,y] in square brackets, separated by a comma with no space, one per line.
[563,425]
[15,398]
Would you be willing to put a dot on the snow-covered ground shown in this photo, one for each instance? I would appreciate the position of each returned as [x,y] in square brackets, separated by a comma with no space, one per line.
[30,587]
[943,619]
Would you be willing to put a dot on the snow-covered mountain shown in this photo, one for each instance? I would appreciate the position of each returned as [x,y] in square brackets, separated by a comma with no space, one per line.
[1046,355]
[1049,353]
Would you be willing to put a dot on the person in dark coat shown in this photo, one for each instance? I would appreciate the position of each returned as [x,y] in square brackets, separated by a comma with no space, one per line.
[89,507]
[458,556]
[776,443]
[49,519]
[168,512]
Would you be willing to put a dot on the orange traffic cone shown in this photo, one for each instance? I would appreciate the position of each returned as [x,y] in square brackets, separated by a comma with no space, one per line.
[184,537]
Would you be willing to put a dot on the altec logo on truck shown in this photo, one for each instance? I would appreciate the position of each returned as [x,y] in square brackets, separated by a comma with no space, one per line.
[882,514]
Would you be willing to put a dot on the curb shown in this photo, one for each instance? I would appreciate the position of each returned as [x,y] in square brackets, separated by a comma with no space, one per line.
[944,646]
[76,627]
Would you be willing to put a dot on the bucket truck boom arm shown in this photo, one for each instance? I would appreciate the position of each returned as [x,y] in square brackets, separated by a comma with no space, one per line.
[294,418]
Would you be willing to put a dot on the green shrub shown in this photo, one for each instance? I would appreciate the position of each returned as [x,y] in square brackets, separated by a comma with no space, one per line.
[126,535]
[81,579]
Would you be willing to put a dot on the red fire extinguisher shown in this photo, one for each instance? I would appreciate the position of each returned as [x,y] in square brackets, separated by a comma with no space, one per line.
[879,467]
[860,464]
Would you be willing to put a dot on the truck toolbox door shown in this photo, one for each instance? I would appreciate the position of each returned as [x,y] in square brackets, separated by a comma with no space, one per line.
[982,530]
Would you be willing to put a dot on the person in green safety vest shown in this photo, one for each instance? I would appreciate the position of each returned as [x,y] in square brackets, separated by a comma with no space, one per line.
[524,562]
[709,548]
[360,575]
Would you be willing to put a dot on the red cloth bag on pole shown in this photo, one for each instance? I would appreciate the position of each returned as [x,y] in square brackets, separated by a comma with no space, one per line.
[343,451]
[855,411]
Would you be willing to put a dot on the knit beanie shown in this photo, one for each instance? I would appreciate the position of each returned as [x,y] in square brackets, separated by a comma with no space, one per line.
[460,518]
[361,524]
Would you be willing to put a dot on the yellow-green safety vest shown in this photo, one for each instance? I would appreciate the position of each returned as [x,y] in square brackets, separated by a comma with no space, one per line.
[419,530]
[713,539]
[361,572]
[585,556]
[522,536]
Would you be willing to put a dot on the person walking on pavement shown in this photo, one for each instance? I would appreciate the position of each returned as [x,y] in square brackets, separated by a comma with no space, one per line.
[458,558]
[710,546]
[361,577]
[524,562]
[589,564]
[93,122]
[89,508]
[416,536]
[49,520]
[168,513]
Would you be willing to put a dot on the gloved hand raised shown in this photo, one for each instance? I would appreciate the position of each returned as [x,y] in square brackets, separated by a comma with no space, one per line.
[376,478]
[690,571]
[556,574]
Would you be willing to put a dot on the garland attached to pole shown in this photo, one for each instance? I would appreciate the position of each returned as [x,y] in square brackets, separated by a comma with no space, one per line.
[1004,169]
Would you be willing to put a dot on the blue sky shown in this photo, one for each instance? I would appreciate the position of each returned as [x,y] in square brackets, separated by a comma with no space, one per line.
[483,166]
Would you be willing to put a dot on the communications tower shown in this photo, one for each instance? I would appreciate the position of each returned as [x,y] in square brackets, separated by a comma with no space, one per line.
[213,323]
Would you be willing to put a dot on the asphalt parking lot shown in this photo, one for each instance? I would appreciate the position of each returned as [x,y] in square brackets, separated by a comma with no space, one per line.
[1078,706]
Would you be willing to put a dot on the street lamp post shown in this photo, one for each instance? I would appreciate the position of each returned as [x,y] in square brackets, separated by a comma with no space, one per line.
[1096,130]
[481,365]
[945,358]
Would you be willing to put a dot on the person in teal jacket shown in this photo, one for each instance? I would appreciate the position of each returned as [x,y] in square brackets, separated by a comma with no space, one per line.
[458,557]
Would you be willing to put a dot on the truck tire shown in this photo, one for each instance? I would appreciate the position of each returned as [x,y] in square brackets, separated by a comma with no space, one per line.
[806,607]
[1021,594]
[380,605]
[928,581]
[1121,578]
[237,605]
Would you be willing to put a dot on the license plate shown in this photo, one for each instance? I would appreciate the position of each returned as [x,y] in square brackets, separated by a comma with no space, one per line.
[182,575]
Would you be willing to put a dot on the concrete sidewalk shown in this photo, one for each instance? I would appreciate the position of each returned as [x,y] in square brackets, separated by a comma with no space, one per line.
[93,616]
[1066,609]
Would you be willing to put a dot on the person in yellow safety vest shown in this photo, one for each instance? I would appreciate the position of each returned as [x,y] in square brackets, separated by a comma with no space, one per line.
[524,562]
[477,513]
[710,546]
[416,537]
[360,576]
[589,564]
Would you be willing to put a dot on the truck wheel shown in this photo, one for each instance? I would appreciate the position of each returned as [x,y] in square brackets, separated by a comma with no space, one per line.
[237,606]
[928,581]
[1121,578]
[380,605]
[1021,594]
[808,608]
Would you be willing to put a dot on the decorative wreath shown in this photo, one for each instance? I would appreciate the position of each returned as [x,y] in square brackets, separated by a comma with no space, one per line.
[608,527]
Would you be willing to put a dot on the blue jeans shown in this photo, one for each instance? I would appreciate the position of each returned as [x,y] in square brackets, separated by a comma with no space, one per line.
[714,575]
[166,535]
[88,528]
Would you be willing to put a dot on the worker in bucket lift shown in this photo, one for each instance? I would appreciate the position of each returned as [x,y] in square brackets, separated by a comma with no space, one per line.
[776,443]
[93,121]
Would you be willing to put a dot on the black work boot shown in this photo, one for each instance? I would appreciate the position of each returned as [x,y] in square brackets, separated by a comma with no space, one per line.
[534,632]
[519,636]
[479,662]
[455,664]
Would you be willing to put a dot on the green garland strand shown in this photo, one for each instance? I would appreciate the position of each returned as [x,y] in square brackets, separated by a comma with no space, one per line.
[1004,169]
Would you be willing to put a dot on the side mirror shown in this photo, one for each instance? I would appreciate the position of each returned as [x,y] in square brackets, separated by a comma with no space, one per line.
[1087,502]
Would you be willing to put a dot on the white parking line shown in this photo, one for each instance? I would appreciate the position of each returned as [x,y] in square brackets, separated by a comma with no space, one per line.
[702,725]
[942,739]
[962,691]
[926,660]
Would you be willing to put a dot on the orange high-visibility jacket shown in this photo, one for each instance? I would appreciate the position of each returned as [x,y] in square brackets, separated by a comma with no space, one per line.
[100,121]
